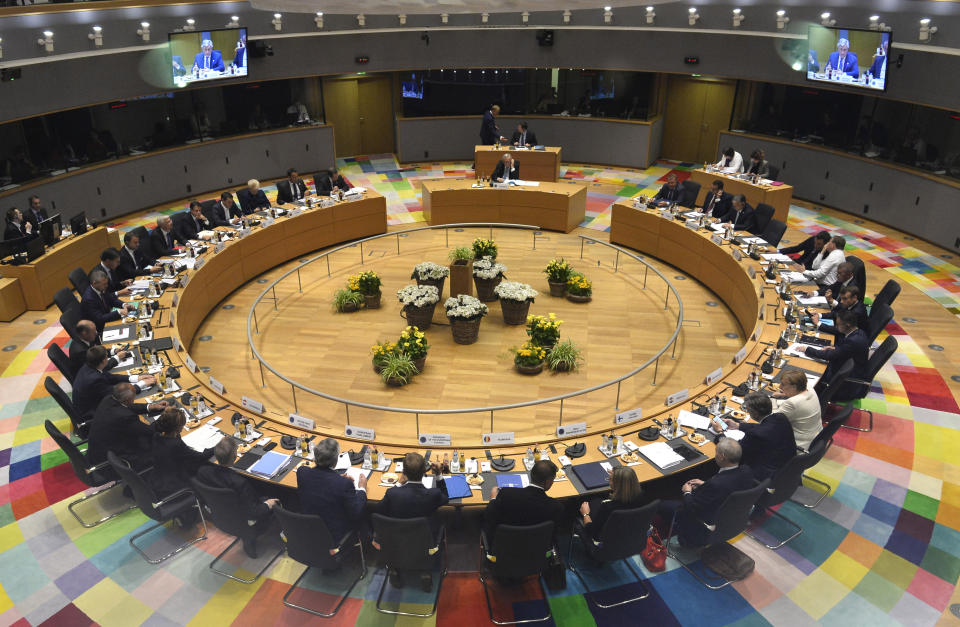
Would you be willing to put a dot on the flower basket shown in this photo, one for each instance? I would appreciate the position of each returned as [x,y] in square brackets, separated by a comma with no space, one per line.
[372,301]
[537,369]
[420,363]
[465,313]
[515,311]
[395,382]
[429,273]
[377,367]
[529,358]
[579,298]
[558,289]
[420,317]
[487,274]
[418,303]
[486,287]
[465,331]
[437,283]
[348,307]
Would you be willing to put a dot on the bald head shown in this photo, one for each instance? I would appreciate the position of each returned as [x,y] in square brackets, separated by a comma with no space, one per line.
[87,330]
[124,393]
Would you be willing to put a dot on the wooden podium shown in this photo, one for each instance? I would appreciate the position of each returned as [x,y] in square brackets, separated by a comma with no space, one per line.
[535,165]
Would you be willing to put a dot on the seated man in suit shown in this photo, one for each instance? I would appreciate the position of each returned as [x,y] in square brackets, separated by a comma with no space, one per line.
[758,164]
[178,68]
[330,181]
[224,212]
[823,269]
[99,304]
[808,249]
[731,161]
[163,239]
[16,227]
[252,199]
[523,136]
[878,69]
[843,61]
[330,495]
[240,54]
[117,427]
[849,301]
[109,265]
[133,262]
[717,202]
[187,225]
[35,213]
[800,405]
[671,191]
[701,500]
[89,337]
[850,343]
[292,189]
[410,499]
[258,509]
[508,169]
[741,215]
[208,58]
[768,444]
[93,383]
[523,506]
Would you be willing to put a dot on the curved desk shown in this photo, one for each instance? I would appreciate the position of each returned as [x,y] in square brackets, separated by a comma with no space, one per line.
[535,165]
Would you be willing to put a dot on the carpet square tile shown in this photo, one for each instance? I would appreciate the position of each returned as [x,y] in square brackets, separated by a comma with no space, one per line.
[42,604]
[844,569]
[946,539]
[889,492]
[882,511]
[913,612]
[854,609]
[931,589]
[906,546]
[895,569]
[915,525]
[818,594]
[940,563]
[879,591]
[860,549]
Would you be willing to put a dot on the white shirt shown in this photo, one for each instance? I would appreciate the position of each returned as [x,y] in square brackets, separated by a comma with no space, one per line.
[736,164]
[803,412]
[825,268]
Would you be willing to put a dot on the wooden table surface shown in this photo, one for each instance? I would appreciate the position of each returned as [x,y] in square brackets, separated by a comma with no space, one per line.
[777,196]
[535,165]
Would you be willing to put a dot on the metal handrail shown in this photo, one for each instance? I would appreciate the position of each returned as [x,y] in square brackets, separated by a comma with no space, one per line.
[488,408]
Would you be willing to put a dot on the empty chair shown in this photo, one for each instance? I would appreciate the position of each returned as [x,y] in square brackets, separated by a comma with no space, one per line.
[80,427]
[92,476]
[61,361]
[65,299]
[829,389]
[79,279]
[522,552]
[773,172]
[409,544]
[224,509]
[206,206]
[690,191]
[762,216]
[161,510]
[887,294]
[825,437]
[309,542]
[859,274]
[782,486]
[774,232]
[877,361]
[621,538]
[880,316]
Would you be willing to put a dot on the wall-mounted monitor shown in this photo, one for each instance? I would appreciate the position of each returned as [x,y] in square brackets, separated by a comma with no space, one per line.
[848,56]
[210,55]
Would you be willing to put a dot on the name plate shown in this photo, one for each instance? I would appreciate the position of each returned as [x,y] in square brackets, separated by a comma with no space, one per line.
[361,433]
[756,334]
[737,254]
[176,343]
[576,428]
[327,202]
[243,233]
[713,377]
[498,438]
[217,386]
[716,239]
[760,292]
[692,225]
[740,356]
[631,415]
[220,246]
[435,439]
[295,212]
[762,315]
[752,272]
[176,299]
[678,397]
[199,263]
[251,405]
[266,223]
[191,365]
[172,321]
[184,280]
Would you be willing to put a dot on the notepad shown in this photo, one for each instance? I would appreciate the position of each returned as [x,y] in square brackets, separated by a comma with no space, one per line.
[269,464]
[457,487]
[512,481]
[203,437]
[661,454]
[692,420]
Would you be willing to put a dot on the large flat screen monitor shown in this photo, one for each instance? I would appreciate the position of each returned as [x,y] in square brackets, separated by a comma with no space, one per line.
[50,230]
[848,56]
[210,55]
[78,223]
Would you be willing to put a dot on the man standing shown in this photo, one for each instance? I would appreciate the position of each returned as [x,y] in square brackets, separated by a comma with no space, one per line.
[35,214]
[489,131]
[523,136]
[292,189]
[843,61]
[507,169]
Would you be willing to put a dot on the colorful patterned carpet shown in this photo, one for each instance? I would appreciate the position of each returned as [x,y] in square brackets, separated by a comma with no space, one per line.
[884,548]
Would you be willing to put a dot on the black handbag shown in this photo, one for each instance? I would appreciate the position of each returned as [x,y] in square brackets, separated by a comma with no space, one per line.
[556,573]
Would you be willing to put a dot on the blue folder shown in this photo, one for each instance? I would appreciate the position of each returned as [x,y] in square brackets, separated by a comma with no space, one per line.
[509,481]
[457,487]
[269,464]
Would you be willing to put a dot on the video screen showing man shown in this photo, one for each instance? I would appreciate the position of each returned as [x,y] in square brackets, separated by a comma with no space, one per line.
[208,55]
[843,60]
[848,56]
[208,58]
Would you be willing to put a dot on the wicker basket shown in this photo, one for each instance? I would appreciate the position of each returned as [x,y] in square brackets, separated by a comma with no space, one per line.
[465,331]
[420,317]
[420,363]
[348,308]
[578,298]
[437,283]
[515,311]
[558,289]
[372,301]
[529,369]
[486,287]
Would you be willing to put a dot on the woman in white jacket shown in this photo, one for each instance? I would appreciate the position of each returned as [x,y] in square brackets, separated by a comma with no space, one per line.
[800,405]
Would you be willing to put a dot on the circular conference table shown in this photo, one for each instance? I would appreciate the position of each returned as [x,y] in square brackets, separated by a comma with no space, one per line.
[740,283]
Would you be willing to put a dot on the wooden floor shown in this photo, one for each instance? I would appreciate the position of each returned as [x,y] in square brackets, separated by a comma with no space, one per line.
[623,327]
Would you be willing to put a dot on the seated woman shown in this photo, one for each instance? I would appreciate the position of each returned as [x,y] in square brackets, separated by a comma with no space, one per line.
[174,463]
[625,493]
[800,405]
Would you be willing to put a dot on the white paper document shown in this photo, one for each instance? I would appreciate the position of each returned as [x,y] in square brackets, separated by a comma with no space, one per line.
[203,437]
[115,335]
[126,363]
[343,462]
[354,473]
[813,300]
[795,277]
[661,454]
[775,257]
[692,420]
[734,434]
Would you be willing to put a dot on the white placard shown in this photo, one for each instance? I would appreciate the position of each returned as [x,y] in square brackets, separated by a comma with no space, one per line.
[361,433]
[184,280]
[713,377]
[172,321]
[678,397]
[762,315]
[752,272]
[266,223]
[716,239]
[737,254]
[295,212]
[506,437]
[693,225]
[760,292]
[576,428]
[220,246]
[176,298]
[740,356]
[176,343]
[216,385]
[191,365]
[631,415]
[435,439]
[199,263]
[756,334]
[249,404]
[301,422]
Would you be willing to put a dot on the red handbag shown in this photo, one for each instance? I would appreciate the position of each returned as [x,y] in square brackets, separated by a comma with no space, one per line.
[654,555]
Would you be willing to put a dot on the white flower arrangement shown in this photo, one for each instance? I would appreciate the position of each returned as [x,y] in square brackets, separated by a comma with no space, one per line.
[487,268]
[429,270]
[511,290]
[465,307]
[418,295]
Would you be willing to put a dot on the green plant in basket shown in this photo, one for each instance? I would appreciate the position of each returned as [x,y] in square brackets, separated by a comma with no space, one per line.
[381,350]
[558,271]
[368,283]
[413,342]
[529,354]
[484,248]
[347,300]
[461,254]
[398,367]
[579,285]
[544,330]
[564,357]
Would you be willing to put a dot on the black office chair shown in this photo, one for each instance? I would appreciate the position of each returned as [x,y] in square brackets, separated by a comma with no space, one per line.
[877,361]
[91,476]
[161,510]
[223,508]
[887,294]
[79,279]
[689,193]
[773,172]
[859,275]
[80,427]
[409,544]
[829,389]
[69,320]
[520,552]
[206,206]
[732,519]
[880,316]
[142,233]
[65,299]
[774,232]
[309,542]
[762,216]
[784,484]
[825,438]
[61,361]
[621,538]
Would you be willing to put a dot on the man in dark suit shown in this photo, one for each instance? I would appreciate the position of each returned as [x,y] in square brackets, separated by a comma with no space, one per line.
[16,227]
[109,264]
[671,191]
[163,239]
[701,500]
[252,199]
[116,426]
[850,343]
[523,506]
[133,262]
[240,54]
[878,69]
[330,495]
[808,249]
[846,276]
[489,131]
[178,68]
[208,58]
[99,304]
[523,136]
[843,60]
[93,383]
[330,181]
[258,510]
[767,445]
[224,212]
[87,332]
[35,214]
[292,189]
[741,215]
[849,300]
[717,202]
[187,225]
[508,169]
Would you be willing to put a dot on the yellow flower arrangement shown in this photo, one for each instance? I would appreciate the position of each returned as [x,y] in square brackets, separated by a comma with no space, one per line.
[558,271]
[579,285]
[382,350]
[367,282]
[544,330]
[484,248]
[413,342]
[529,354]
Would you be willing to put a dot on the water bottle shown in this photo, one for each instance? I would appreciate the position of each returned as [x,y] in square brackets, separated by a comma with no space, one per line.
[367,459]
[529,456]
[455,462]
